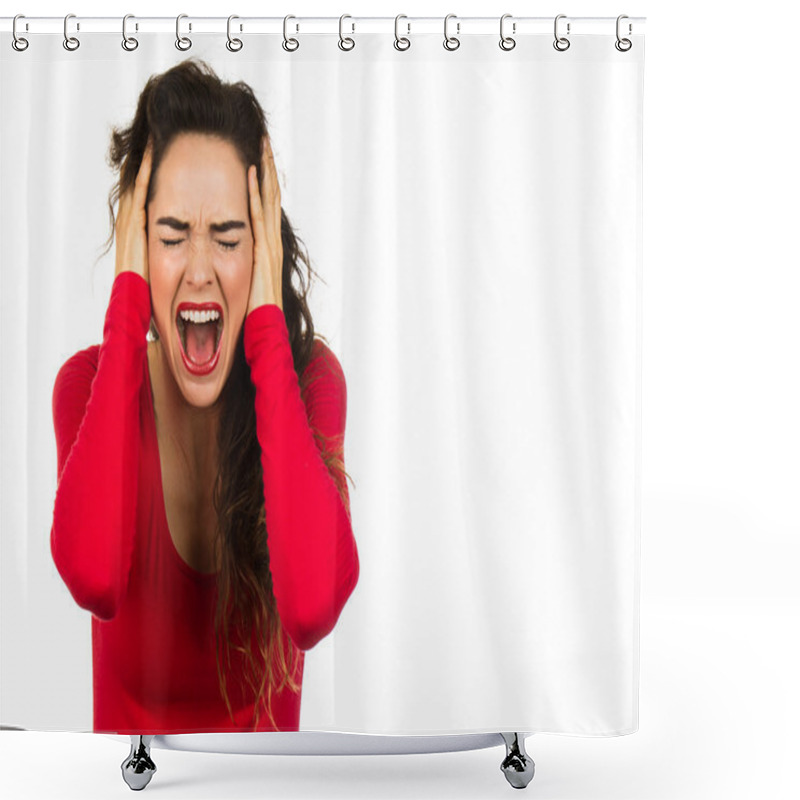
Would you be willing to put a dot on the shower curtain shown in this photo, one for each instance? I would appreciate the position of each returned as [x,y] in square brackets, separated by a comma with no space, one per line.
[473,213]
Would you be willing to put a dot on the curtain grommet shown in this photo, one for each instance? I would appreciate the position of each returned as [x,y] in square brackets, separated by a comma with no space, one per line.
[561,43]
[129,43]
[183,43]
[70,43]
[19,43]
[233,44]
[623,45]
[451,42]
[506,42]
[346,43]
[401,43]
[290,45]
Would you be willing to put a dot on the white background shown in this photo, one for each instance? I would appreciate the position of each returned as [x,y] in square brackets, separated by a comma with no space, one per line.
[721,437]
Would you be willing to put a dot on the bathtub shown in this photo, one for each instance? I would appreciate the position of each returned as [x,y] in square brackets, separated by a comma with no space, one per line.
[139,766]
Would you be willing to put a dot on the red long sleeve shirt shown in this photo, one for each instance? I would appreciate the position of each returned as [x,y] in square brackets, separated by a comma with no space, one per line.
[153,648]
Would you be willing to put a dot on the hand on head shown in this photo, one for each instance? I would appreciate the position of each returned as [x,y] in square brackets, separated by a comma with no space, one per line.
[265,217]
[131,224]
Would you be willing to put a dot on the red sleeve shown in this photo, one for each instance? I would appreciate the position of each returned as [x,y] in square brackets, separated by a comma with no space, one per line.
[96,419]
[313,555]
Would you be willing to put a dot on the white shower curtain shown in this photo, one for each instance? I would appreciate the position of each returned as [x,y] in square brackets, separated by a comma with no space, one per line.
[476,218]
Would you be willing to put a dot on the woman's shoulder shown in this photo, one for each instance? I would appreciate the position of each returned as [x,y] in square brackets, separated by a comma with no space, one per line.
[324,363]
[324,390]
[81,364]
[73,383]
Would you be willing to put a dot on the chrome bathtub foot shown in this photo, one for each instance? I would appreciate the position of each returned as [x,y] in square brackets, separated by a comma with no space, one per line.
[518,766]
[138,767]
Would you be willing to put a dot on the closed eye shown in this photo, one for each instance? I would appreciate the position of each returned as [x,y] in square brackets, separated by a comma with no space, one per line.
[174,242]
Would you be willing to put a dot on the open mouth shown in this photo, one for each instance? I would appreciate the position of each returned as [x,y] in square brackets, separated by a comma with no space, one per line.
[200,333]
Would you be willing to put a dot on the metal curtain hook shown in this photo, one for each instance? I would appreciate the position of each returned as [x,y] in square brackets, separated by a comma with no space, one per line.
[451,42]
[506,42]
[70,42]
[623,45]
[561,43]
[290,45]
[234,45]
[128,42]
[18,42]
[346,43]
[182,42]
[401,43]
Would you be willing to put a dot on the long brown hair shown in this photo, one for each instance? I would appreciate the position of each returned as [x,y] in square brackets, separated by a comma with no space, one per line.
[190,97]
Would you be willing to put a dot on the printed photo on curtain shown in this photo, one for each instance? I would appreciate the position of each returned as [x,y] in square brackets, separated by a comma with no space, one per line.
[321,384]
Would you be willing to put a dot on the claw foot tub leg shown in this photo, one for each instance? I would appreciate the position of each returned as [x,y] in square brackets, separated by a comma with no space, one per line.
[518,766]
[138,767]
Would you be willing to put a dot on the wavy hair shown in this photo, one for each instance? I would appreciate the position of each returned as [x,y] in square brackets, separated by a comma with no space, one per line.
[191,98]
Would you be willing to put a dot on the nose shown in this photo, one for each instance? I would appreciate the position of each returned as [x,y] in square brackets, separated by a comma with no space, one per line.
[200,265]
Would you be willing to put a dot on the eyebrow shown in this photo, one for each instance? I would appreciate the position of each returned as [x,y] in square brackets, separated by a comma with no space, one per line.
[216,227]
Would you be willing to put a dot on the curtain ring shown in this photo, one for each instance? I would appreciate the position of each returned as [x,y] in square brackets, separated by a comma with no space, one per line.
[70,42]
[506,42]
[350,42]
[128,42]
[18,42]
[451,42]
[623,45]
[182,42]
[401,43]
[286,41]
[561,43]
[234,45]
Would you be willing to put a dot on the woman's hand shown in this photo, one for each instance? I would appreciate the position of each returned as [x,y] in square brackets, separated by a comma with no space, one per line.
[131,225]
[266,284]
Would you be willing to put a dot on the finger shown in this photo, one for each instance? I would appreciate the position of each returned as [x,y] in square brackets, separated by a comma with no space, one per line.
[272,191]
[256,214]
[138,192]
[143,176]
[272,194]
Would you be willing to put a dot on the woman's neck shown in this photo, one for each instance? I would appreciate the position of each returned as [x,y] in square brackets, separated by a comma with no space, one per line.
[192,431]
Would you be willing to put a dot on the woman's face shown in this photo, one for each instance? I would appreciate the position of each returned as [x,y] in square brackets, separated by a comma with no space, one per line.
[200,258]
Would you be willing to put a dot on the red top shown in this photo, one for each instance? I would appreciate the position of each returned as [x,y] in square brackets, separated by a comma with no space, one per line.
[154,659]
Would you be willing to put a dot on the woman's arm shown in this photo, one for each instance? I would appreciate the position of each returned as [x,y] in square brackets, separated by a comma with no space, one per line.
[313,555]
[96,418]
